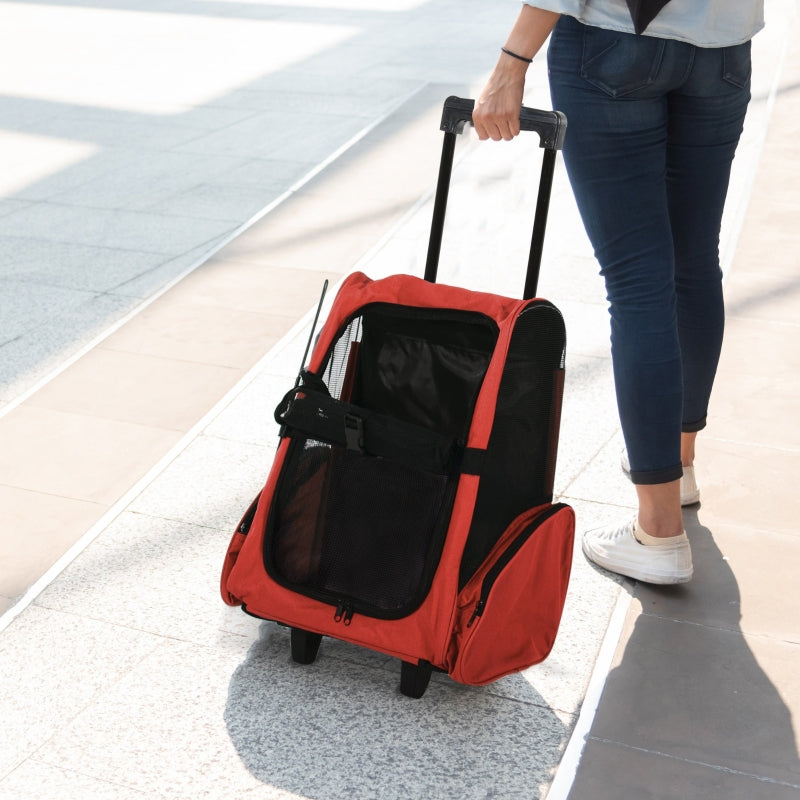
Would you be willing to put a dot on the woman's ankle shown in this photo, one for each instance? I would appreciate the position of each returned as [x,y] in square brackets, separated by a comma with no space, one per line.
[645,537]
[660,509]
[687,448]
[660,529]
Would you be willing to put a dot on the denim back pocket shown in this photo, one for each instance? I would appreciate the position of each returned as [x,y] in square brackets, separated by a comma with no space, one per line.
[736,64]
[620,63]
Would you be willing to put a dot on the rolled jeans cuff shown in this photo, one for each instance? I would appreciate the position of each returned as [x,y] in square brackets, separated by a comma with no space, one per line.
[693,427]
[651,477]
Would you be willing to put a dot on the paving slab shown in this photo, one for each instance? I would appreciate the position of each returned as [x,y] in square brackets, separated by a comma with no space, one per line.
[612,771]
[164,691]
[706,695]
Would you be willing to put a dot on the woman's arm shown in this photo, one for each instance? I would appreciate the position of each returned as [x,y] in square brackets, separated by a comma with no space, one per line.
[496,114]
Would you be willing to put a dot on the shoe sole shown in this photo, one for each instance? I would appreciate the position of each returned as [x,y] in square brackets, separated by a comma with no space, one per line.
[635,571]
[690,501]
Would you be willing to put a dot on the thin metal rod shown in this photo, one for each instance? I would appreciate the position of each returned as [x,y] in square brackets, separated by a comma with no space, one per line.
[313,328]
[540,223]
[440,206]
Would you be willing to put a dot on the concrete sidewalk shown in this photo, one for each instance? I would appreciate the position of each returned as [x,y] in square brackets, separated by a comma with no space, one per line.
[123,674]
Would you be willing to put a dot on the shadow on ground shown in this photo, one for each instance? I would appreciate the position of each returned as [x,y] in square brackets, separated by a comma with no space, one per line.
[689,711]
[340,730]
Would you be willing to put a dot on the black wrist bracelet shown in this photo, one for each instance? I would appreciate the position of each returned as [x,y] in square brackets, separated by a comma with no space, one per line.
[514,55]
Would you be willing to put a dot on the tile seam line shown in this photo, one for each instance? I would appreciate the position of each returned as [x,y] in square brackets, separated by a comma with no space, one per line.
[778,323]
[719,628]
[579,474]
[35,755]
[114,784]
[567,768]
[751,529]
[695,762]
[752,445]
[208,254]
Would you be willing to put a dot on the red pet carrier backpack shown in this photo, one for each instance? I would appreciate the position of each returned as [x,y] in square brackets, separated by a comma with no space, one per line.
[409,508]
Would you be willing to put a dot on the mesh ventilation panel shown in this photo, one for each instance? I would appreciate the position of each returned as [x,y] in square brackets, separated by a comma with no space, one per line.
[519,466]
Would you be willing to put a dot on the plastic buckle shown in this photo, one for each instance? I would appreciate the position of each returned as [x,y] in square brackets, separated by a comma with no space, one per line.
[354,432]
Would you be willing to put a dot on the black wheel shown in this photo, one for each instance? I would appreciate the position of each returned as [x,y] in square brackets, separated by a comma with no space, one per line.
[414,678]
[304,646]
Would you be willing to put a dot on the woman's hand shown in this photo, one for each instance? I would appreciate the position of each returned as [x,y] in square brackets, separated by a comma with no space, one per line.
[496,114]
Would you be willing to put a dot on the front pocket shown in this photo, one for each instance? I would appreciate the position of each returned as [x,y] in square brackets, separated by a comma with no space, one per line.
[360,532]
[509,612]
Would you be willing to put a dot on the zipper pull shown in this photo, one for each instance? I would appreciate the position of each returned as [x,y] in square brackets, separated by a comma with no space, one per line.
[337,617]
[348,615]
[479,606]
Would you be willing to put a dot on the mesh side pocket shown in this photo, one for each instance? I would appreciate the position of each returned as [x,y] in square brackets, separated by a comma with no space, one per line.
[342,365]
[520,459]
[357,528]
[296,541]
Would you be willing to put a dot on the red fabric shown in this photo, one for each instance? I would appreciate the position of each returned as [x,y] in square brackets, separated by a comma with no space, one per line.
[520,620]
[358,290]
[231,557]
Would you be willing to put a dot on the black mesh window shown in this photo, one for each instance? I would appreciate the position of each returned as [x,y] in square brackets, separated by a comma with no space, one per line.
[347,526]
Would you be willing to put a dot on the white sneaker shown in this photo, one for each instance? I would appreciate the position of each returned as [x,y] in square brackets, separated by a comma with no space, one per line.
[615,548]
[690,494]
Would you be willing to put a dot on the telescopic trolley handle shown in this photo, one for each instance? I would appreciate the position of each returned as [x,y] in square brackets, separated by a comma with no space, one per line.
[551,127]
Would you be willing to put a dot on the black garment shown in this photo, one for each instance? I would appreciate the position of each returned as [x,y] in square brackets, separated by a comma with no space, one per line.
[643,12]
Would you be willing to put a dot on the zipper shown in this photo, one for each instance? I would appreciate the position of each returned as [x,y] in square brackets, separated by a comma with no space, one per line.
[249,516]
[344,613]
[478,612]
[514,547]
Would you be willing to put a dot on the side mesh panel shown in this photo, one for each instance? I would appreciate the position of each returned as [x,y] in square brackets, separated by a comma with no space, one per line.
[351,527]
[519,467]
[342,364]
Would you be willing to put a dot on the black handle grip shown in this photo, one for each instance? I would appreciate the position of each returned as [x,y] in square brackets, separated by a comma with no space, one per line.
[550,125]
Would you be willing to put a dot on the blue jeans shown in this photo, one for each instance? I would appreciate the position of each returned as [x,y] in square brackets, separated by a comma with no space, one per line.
[653,125]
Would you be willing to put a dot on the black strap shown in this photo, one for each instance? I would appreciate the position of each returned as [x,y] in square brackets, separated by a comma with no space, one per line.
[319,416]
[472,459]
